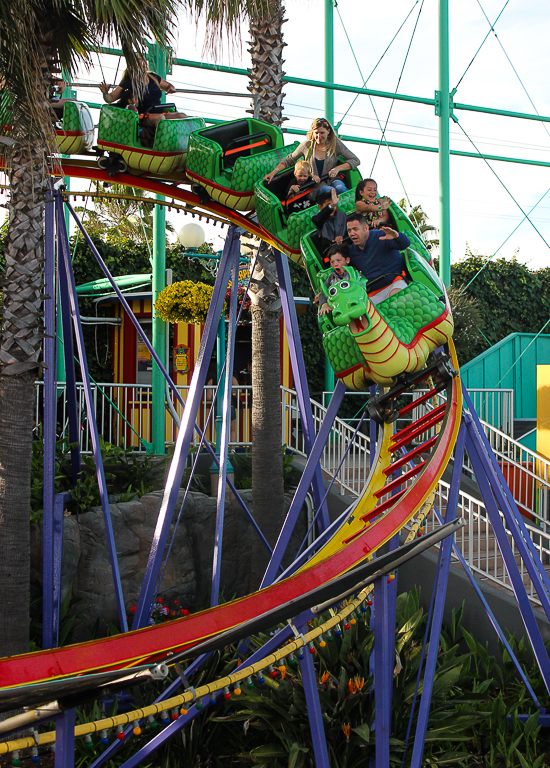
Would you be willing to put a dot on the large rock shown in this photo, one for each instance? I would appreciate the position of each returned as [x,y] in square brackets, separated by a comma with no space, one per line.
[188,573]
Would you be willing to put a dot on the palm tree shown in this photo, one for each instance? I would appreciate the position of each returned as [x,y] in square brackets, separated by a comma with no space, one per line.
[37,39]
[419,220]
[121,218]
[266,72]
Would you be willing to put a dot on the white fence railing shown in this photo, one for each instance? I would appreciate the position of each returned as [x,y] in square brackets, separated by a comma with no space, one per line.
[355,467]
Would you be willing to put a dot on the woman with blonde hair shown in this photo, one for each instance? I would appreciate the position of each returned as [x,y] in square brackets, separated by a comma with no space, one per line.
[322,151]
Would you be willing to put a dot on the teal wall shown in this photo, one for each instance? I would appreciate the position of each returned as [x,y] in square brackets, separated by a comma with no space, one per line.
[492,370]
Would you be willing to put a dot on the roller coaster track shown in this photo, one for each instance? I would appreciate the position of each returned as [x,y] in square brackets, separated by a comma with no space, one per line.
[384,508]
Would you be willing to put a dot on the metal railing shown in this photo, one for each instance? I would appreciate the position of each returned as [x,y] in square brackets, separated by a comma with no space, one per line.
[477,543]
[355,468]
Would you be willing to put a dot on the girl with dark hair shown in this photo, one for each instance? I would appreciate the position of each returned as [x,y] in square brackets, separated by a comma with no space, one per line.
[150,87]
[368,202]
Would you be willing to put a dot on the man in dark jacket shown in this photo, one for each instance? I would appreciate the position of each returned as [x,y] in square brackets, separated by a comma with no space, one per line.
[376,254]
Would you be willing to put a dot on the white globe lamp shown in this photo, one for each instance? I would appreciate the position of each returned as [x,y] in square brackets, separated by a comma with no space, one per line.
[191,236]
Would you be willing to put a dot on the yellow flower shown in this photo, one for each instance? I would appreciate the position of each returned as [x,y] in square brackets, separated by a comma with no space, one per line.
[347,730]
[185,302]
[324,677]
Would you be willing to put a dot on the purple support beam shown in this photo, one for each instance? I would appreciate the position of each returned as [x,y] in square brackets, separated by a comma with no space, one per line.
[157,360]
[511,513]
[185,434]
[70,375]
[68,283]
[442,576]
[305,481]
[315,715]
[64,740]
[49,394]
[226,425]
[300,382]
[166,694]
[384,662]
[479,464]
[521,674]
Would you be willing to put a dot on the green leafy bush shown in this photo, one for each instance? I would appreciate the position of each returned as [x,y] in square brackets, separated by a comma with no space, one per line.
[127,473]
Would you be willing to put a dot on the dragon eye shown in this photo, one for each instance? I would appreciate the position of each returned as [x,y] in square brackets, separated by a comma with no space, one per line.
[333,290]
[344,285]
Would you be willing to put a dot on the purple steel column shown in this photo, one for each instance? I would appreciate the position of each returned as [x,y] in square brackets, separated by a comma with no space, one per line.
[479,460]
[185,434]
[458,554]
[305,481]
[443,567]
[384,662]
[68,354]
[64,740]
[226,425]
[315,716]
[73,300]
[300,381]
[49,394]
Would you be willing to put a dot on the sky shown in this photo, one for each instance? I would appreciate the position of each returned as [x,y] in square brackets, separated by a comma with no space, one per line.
[485,198]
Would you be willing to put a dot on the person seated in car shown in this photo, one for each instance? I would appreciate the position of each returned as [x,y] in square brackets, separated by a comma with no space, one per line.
[151,86]
[330,223]
[339,260]
[301,177]
[368,202]
[57,89]
[376,254]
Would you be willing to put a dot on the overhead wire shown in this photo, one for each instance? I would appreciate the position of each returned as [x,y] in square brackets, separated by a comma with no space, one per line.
[397,86]
[375,112]
[482,44]
[511,64]
[490,258]
[378,62]
[504,186]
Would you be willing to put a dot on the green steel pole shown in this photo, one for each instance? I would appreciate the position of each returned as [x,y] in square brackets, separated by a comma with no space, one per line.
[444,146]
[329,60]
[329,114]
[157,62]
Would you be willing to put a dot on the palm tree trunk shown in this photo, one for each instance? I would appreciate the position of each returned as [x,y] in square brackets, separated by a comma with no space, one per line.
[266,85]
[266,72]
[20,349]
[267,455]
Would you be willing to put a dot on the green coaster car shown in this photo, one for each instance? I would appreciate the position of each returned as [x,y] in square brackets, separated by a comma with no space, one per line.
[119,136]
[228,159]
[285,229]
[367,343]
[77,132]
